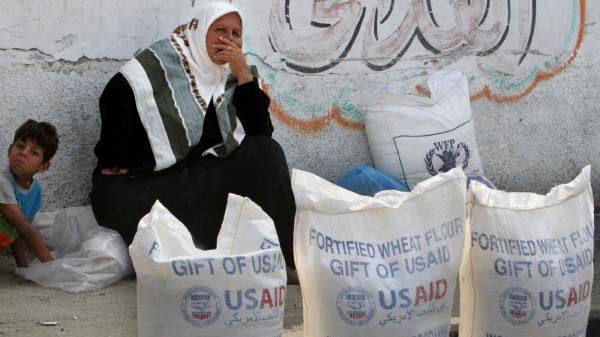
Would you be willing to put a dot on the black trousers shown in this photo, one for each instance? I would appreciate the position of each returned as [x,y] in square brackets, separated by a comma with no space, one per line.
[196,189]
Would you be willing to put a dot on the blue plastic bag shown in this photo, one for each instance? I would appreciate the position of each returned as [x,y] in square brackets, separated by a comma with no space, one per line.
[366,180]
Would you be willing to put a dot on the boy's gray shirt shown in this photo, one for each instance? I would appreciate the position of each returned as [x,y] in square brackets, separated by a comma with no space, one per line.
[7,190]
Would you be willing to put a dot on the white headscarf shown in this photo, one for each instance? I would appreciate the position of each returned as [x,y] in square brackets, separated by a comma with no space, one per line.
[210,77]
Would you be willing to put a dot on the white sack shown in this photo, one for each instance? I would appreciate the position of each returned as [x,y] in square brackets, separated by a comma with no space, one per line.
[86,256]
[238,289]
[528,268]
[350,285]
[414,138]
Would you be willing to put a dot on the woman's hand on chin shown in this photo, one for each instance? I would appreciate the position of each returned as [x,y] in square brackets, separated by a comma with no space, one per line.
[229,53]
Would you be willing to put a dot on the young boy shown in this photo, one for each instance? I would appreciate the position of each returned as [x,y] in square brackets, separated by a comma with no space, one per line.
[33,146]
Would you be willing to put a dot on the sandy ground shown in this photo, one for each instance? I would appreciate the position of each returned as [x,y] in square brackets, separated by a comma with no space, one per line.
[109,312]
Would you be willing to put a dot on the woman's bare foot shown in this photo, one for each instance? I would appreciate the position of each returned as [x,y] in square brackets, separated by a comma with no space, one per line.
[292,276]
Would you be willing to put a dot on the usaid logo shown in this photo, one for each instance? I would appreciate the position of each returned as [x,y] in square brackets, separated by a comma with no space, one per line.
[355,306]
[445,156]
[517,305]
[200,306]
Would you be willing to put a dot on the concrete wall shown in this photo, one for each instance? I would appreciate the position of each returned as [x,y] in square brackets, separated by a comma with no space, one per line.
[532,67]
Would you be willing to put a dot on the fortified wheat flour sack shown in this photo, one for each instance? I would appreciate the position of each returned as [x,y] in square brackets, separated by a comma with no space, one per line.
[414,138]
[238,289]
[528,268]
[378,266]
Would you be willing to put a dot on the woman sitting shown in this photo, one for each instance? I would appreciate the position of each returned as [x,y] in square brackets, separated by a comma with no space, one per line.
[185,122]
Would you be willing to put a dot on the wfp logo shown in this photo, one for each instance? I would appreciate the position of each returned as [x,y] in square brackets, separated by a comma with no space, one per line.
[517,305]
[355,306]
[444,156]
[200,306]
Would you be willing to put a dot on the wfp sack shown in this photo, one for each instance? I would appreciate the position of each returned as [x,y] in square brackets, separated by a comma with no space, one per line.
[528,268]
[414,138]
[238,289]
[378,266]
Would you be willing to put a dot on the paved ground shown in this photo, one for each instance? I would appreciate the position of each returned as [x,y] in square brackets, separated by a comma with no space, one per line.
[111,312]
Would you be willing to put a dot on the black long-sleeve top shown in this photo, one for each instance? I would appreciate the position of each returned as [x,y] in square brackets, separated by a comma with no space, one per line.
[123,140]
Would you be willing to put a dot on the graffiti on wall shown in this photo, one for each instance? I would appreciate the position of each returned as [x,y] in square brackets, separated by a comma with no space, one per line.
[417,22]
[325,58]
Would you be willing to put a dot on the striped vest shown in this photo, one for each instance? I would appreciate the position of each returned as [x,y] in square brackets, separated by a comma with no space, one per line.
[170,108]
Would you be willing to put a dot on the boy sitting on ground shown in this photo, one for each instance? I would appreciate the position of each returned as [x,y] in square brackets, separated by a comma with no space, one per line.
[33,146]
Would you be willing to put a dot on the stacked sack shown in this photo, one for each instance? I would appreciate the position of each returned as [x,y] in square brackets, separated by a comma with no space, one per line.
[386,263]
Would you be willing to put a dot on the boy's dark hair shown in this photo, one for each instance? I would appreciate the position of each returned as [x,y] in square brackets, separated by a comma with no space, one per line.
[42,133]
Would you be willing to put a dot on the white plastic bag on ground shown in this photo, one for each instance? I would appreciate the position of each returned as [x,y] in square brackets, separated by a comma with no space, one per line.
[86,256]
[238,289]
[528,268]
[414,138]
[378,266]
